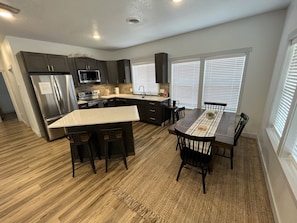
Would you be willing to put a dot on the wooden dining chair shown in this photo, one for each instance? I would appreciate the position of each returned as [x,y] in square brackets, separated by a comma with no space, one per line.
[215,106]
[228,152]
[195,151]
[80,140]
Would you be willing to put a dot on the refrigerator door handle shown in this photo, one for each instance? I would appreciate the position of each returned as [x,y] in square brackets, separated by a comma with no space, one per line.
[57,94]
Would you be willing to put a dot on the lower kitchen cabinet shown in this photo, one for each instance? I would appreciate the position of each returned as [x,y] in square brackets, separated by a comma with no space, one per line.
[153,112]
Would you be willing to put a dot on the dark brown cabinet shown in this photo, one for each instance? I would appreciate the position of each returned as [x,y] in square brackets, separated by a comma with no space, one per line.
[39,62]
[102,66]
[73,71]
[85,63]
[112,70]
[161,67]
[155,112]
[124,71]
[119,71]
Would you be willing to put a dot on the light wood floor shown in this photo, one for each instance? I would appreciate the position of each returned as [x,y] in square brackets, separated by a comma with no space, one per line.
[36,183]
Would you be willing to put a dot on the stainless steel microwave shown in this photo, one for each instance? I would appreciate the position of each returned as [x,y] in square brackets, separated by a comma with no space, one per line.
[89,76]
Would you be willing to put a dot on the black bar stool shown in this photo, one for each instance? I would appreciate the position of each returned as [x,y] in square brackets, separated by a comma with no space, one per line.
[78,140]
[113,136]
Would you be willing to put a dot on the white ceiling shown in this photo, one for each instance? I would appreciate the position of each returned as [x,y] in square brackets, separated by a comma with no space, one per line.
[74,21]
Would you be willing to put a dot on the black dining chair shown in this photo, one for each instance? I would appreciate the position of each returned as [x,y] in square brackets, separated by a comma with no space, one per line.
[179,113]
[195,151]
[228,152]
[215,106]
[79,141]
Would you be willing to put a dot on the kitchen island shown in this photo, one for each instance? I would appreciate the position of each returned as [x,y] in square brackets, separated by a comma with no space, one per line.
[95,119]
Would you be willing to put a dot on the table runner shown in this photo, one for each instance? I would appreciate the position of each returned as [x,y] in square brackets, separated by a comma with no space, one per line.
[204,127]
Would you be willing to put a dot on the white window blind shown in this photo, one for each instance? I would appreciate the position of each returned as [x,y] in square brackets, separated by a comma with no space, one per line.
[222,80]
[287,94]
[185,82]
[144,75]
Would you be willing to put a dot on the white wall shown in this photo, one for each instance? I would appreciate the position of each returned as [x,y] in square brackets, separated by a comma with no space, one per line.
[22,44]
[262,33]
[285,202]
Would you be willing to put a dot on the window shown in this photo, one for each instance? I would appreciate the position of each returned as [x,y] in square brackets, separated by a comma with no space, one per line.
[222,81]
[144,75]
[287,95]
[216,78]
[283,128]
[185,79]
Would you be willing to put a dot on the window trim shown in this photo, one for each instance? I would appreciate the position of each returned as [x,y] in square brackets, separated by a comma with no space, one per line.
[282,143]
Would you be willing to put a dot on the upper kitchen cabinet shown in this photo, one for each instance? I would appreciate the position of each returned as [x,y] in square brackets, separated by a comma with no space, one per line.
[39,62]
[161,66]
[119,71]
[102,66]
[85,63]
[124,71]
[112,70]
[73,71]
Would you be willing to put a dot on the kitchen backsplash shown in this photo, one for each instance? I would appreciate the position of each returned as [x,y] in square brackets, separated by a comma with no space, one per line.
[106,89]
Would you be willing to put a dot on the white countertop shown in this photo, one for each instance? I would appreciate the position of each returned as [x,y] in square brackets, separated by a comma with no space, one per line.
[97,116]
[135,96]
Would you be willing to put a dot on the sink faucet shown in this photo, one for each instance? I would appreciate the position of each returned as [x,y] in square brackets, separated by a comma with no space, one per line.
[143,92]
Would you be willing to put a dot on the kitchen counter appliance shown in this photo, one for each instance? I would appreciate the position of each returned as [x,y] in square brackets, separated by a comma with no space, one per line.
[89,76]
[91,99]
[55,94]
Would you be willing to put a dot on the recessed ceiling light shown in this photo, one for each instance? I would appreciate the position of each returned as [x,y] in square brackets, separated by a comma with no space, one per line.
[177,1]
[132,20]
[4,13]
[96,36]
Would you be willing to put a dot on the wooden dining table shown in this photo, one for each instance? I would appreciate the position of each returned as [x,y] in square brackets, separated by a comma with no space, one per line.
[225,130]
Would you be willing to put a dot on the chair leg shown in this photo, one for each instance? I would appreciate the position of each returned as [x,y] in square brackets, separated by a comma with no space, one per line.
[72,160]
[204,172]
[231,158]
[124,154]
[90,153]
[179,171]
[106,156]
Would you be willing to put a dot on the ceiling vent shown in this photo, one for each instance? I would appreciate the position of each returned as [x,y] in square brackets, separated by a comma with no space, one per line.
[132,20]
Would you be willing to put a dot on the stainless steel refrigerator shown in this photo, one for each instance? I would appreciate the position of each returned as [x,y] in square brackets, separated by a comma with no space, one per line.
[56,97]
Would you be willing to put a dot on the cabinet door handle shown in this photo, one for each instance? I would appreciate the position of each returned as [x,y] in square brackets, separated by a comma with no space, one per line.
[152,110]
[48,68]
[52,68]
[151,103]
[151,118]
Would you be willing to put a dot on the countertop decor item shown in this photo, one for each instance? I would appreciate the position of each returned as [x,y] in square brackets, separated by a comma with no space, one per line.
[210,115]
